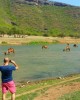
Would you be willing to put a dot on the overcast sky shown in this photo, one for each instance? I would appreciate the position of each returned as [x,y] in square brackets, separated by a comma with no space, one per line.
[72,2]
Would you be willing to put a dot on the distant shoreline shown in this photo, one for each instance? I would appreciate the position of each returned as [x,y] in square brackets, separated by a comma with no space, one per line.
[37,39]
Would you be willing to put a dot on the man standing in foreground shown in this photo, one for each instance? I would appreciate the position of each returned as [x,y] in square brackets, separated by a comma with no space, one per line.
[6,77]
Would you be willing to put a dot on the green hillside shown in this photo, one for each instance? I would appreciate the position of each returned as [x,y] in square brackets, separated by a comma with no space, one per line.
[43,20]
[5,13]
[6,16]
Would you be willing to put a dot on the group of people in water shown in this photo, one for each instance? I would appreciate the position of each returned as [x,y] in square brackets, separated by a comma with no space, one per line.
[67,48]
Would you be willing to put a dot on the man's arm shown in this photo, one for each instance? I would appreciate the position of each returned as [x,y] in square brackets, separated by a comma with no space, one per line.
[13,62]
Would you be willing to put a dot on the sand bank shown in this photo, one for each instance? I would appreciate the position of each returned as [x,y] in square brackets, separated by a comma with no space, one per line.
[28,39]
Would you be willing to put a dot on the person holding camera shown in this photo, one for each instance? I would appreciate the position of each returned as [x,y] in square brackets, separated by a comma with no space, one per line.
[7,79]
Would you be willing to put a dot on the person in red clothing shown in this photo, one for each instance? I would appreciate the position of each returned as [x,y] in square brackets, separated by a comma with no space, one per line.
[7,79]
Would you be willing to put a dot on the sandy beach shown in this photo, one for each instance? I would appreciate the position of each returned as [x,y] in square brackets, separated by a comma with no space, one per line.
[28,39]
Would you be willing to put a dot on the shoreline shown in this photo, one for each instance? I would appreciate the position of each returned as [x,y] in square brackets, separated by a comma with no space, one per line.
[37,39]
[31,82]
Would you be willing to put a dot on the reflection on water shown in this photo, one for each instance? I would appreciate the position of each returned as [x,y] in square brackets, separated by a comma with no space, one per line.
[36,63]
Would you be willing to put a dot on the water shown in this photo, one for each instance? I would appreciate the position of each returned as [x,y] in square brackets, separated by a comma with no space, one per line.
[36,64]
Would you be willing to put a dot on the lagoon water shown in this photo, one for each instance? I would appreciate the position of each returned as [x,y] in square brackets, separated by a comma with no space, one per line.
[37,64]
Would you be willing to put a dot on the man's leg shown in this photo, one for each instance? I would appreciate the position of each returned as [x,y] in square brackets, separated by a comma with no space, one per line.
[13,96]
[4,91]
[4,96]
[12,89]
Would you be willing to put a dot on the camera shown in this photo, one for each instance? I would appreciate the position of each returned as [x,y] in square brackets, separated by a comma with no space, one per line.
[9,60]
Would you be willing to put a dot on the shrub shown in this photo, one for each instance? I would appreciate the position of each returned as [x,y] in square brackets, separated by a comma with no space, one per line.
[3,42]
[45,34]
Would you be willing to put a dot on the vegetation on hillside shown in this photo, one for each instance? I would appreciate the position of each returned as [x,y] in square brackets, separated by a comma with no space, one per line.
[46,20]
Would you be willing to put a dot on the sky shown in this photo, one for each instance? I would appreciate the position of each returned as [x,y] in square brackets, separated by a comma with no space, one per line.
[72,2]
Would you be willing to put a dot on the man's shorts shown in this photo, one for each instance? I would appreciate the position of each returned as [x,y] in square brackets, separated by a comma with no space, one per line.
[8,86]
